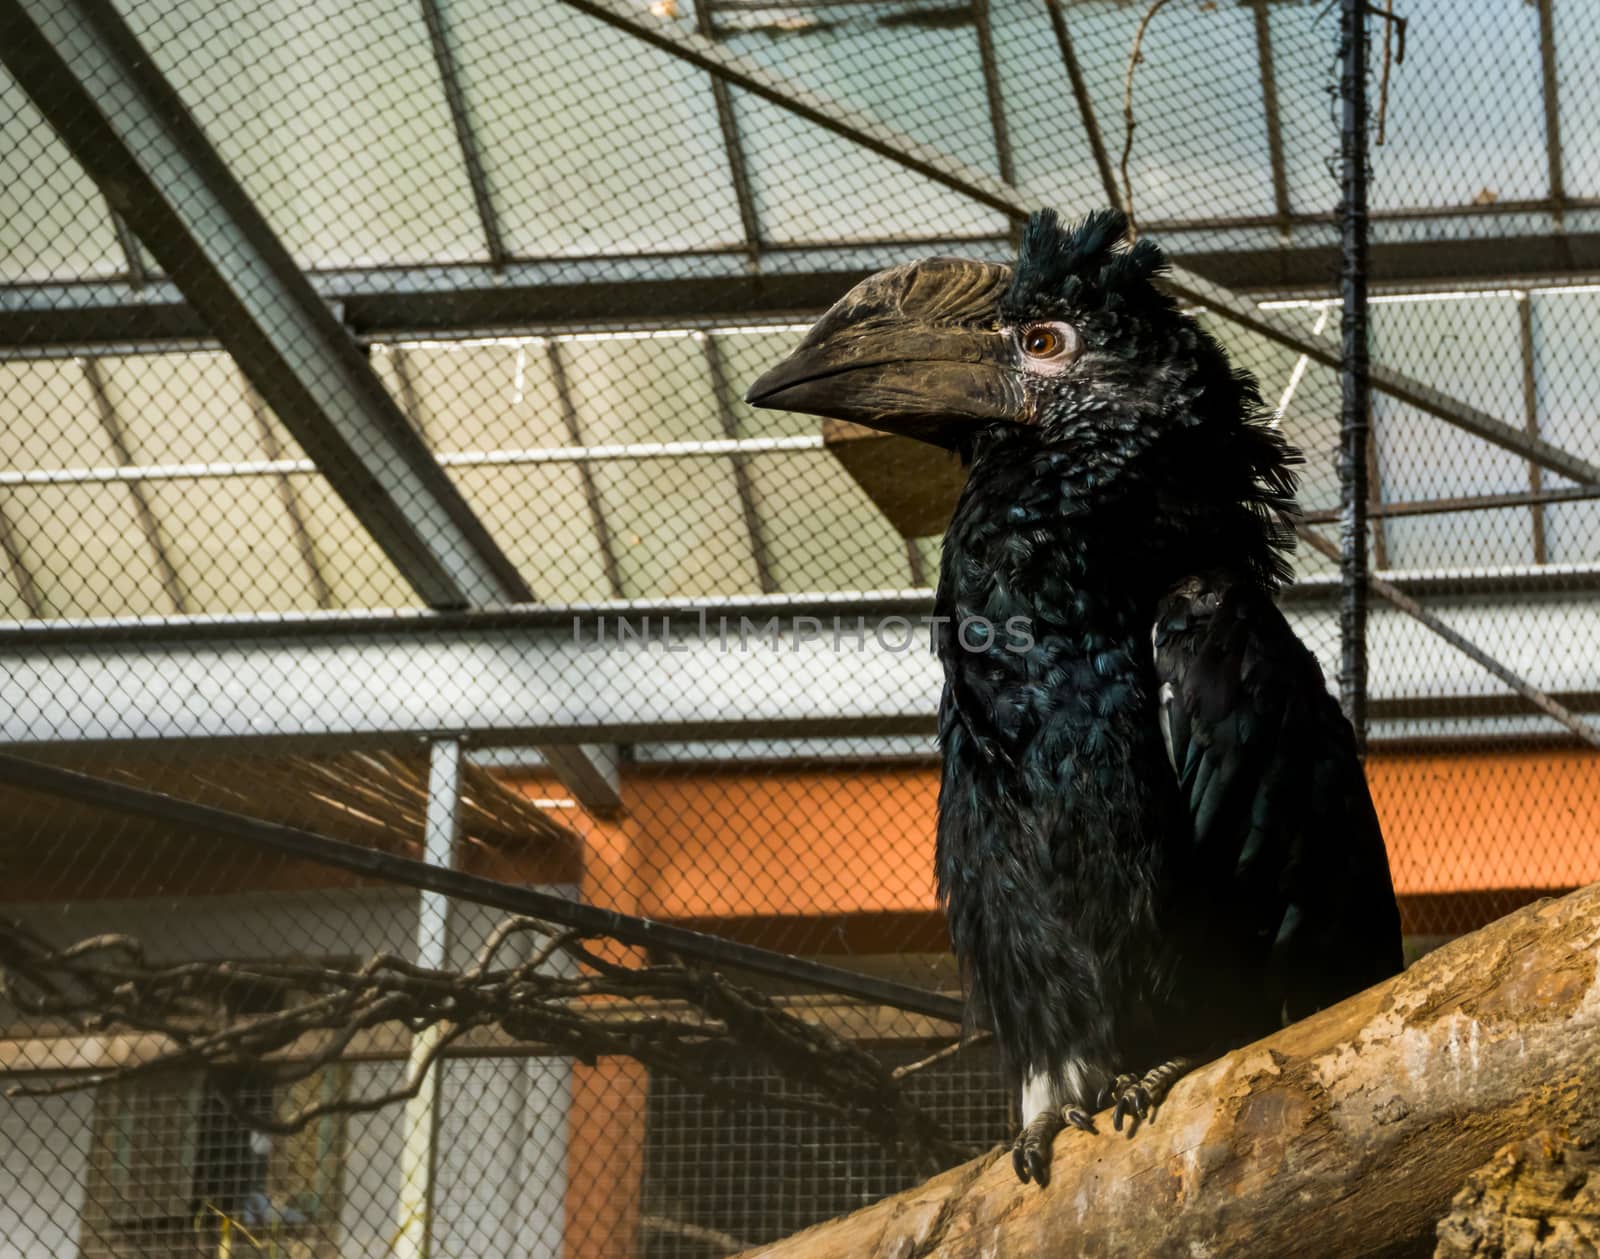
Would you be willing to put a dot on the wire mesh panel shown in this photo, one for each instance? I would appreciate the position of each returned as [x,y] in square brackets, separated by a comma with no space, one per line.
[378,493]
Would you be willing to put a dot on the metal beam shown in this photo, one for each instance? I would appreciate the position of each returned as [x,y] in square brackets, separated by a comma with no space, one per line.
[590,771]
[1466,502]
[89,77]
[993,94]
[555,294]
[1080,94]
[1552,111]
[1530,422]
[721,286]
[591,491]
[563,677]
[732,143]
[21,575]
[980,186]
[530,678]
[289,495]
[419,1129]
[1269,110]
[115,474]
[1240,310]
[466,137]
[129,244]
[1514,678]
[919,570]
[590,920]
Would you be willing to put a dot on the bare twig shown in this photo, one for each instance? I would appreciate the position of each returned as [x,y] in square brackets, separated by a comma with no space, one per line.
[1135,56]
[1383,82]
[726,1243]
[560,994]
[941,1055]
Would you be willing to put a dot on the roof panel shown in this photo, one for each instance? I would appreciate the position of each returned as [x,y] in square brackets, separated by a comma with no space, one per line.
[539,515]
[496,395]
[930,553]
[810,185]
[1310,419]
[1470,347]
[333,118]
[1578,73]
[183,408]
[1049,142]
[641,389]
[866,55]
[1451,138]
[53,222]
[1186,162]
[822,532]
[87,550]
[48,417]
[233,544]
[13,604]
[677,527]
[358,573]
[746,353]
[593,143]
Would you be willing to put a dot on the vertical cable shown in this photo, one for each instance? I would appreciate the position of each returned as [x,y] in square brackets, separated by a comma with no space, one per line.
[1353,368]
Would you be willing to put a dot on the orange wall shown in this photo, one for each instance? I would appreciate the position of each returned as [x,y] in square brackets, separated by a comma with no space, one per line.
[808,860]
[780,841]
[1464,823]
[722,844]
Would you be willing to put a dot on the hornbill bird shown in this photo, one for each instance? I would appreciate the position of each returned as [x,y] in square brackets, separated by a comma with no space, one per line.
[1155,840]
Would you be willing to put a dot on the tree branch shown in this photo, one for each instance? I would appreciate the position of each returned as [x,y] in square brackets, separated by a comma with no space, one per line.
[562,996]
[1345,1134]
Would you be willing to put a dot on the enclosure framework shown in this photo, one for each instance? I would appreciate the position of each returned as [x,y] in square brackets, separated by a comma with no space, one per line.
[435,877]
[55,55]
[501,672]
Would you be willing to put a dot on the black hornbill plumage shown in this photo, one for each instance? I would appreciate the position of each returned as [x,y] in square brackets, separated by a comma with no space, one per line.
[1155,838]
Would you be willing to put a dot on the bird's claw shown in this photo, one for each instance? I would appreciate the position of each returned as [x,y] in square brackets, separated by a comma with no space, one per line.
[1079,1119]
[1114,1090]
[1030,1154]
[1134,1097]
[1134,1101]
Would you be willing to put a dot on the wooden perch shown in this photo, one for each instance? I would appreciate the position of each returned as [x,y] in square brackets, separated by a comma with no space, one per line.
[1346,1134]
[1538,1198]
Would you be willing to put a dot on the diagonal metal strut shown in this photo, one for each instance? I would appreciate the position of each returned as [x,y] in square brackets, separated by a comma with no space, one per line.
[513,898]
[128,128]
[971,181]
[1392,594]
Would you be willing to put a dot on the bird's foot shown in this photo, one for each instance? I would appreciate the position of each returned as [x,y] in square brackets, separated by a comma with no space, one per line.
[1030,1153]
[1133,1097]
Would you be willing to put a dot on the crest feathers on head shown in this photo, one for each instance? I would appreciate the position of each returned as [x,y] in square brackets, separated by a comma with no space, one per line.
[1057,261]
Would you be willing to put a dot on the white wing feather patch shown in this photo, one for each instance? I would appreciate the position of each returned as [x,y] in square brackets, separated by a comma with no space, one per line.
[1164,703]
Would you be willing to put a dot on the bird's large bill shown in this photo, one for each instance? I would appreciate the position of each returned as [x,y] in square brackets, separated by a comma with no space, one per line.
[913,350]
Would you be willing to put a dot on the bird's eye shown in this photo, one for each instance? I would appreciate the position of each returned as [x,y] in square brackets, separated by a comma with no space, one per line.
[1049,342]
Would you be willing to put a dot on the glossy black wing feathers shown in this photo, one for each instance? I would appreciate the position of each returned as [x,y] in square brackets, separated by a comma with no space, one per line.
[1285,845]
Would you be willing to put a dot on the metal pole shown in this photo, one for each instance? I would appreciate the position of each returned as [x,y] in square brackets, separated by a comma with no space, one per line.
[419,1147]
[1354,380]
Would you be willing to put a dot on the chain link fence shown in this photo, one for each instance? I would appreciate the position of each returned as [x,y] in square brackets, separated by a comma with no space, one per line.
[374,473]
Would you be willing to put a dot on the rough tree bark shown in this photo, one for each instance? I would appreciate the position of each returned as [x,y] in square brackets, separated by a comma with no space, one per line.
[1346,1134]
[1538,1198]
